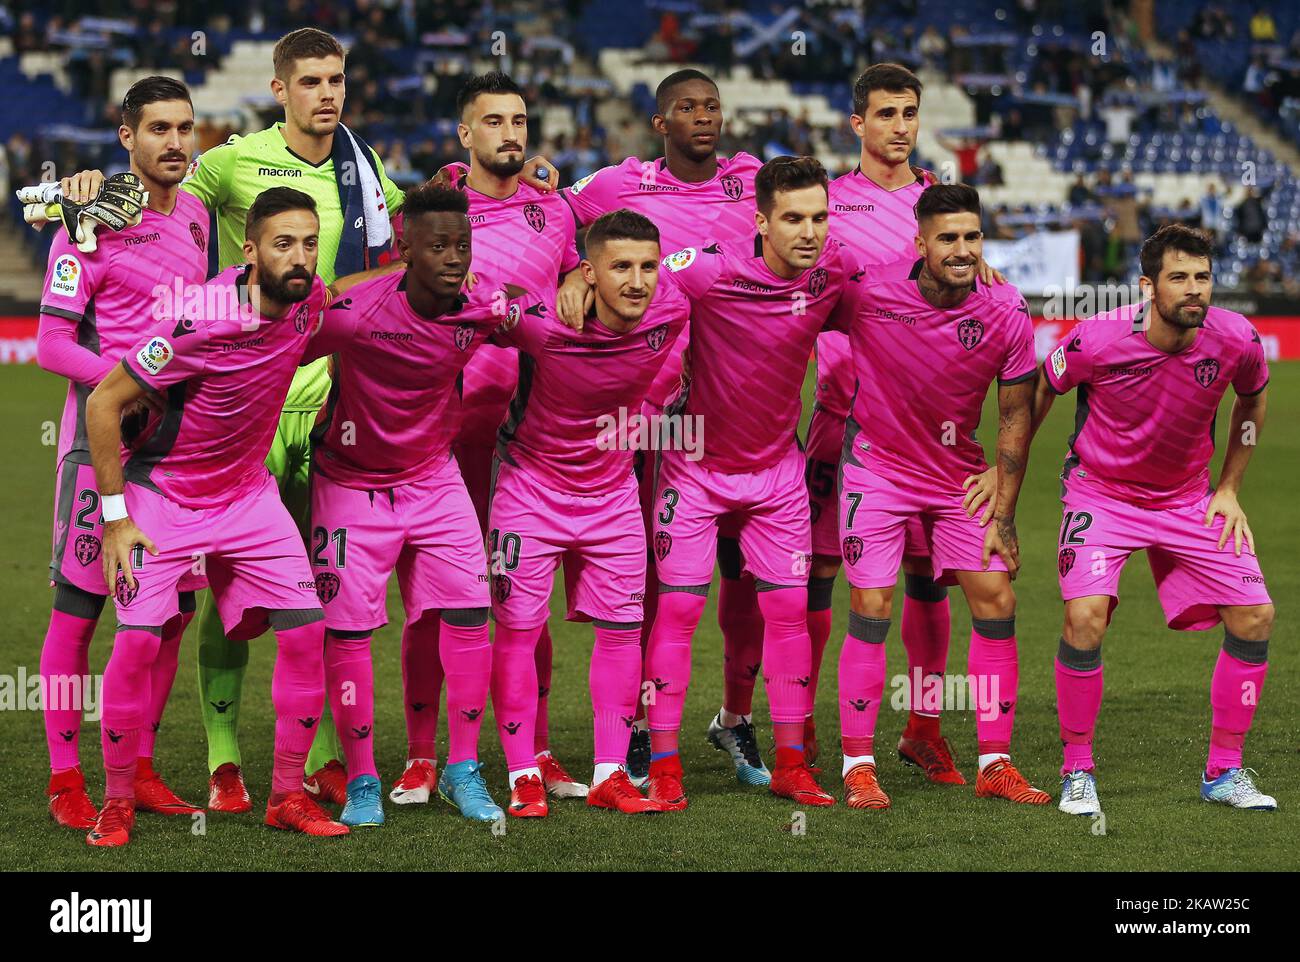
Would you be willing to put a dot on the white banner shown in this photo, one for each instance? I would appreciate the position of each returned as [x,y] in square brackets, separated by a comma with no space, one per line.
[1038,261]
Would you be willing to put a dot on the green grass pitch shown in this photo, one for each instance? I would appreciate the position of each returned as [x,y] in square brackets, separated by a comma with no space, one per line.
[1150,747]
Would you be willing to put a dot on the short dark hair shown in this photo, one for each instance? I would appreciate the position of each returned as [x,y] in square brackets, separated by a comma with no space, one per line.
[151,90]
[303,44]
[432,198]
[493,82]
[1173,237]
[663,93]
[275,200]
[893,77]
[781,174]
[621,224]
[947,199]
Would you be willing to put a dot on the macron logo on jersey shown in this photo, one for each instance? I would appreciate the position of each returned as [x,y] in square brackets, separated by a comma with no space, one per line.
[66,276]
[155,355]
[277,172]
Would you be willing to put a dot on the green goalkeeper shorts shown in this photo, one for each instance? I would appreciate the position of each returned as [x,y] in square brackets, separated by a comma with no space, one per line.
[289,461]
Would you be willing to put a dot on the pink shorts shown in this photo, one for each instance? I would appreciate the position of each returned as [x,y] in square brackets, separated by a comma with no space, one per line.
[250,548]
[78,530]
[425,530]
[874,515]
[823,450]
[476,470]
[601,541]
[769,510]
[1193,576]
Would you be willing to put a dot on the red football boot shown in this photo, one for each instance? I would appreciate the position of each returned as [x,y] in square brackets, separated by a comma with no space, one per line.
[862,790]
[791,779]
[810,746]
[113,826]
[1001,779]
[666,783]
[329,783]
[528,799]
[70,806]
[153,795]
[617,792]
[417,784]
[933,756]
[558,782]
[227,791]
[298,812]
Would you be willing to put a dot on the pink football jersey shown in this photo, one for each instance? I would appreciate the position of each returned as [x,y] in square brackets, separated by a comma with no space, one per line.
[1144,429]
[721,208]
[753,332]
[224,371]
[923,373]
[526,239]
[390,416]
[577,388]
[97,306]
[878,226]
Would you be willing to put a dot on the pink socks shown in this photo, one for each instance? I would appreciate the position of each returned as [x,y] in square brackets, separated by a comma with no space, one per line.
[466,657]
[161,677]
[298,696]
[992,662]
[925,629]
[787,654]
[862,682]
[126,697]
[1078,701]
[1234,693]
[742,642]
[514,692]
[350,683]
[421,686]
[65,668]
[541,729]
[668,665]
[820,591]
[615,678]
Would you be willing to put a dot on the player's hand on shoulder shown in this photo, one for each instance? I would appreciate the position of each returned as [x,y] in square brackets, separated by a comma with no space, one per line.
[1224,502]
[120,539]
[989,275]
[981,489]
[540,174]
[574,299]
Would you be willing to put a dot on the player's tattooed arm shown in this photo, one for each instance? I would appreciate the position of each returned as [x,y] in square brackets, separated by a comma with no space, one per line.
[118,392]
[1243,435]
[1015,417]
[1043,398]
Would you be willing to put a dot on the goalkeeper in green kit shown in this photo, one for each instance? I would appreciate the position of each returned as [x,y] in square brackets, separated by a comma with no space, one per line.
[311,152]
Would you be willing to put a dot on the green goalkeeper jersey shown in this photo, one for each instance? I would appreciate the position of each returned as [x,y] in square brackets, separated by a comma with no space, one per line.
[228,179]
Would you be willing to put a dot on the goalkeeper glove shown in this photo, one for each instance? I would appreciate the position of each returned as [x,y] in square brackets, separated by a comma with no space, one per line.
[119,204]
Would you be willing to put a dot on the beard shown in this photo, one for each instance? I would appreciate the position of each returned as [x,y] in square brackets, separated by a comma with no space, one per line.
[502,164]
[1177,314]
[277,288]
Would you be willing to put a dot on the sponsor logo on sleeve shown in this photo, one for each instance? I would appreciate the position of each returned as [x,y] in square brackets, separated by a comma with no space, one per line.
[512,318]
[155,355]
[579,184]
[1058,362]
[681,260]
[66,277]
